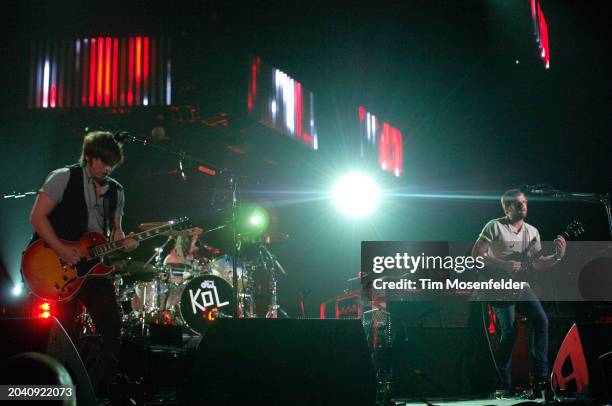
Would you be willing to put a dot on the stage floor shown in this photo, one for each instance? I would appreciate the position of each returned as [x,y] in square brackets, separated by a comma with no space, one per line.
[466,402]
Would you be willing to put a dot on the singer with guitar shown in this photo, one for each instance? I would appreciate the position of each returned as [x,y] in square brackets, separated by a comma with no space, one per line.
[73,201]
[508,243]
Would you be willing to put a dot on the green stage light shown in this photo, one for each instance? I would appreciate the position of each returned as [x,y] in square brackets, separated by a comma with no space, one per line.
[356,195]
[252,219]
[256,219]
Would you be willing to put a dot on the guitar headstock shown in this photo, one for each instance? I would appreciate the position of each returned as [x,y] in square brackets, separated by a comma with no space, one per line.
[182,223]
[573,230]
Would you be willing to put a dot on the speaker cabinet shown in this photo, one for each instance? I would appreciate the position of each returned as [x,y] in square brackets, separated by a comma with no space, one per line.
[282,362]
[46,336]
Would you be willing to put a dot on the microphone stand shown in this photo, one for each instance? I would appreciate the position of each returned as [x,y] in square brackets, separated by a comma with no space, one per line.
[179,153]
[603,198]
[236,243]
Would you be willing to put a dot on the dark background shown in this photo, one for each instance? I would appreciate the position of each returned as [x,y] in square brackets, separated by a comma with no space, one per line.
[475,122]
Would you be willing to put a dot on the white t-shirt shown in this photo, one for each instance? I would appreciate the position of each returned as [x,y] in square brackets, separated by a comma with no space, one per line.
[508,242]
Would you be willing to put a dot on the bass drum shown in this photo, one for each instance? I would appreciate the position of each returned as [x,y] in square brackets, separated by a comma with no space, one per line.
[200,301]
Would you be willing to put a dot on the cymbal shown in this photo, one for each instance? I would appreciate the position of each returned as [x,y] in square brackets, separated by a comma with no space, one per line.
[151,224]
[188,231]
[269,238]
[275,237]
[136,269]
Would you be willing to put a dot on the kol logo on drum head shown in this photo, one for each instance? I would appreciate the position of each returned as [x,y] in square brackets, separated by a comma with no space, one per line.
[200,296]
[205,297]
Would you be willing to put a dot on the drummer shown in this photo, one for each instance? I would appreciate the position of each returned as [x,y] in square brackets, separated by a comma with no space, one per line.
[182,261]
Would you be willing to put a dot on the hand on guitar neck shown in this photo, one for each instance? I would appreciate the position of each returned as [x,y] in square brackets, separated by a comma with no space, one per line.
[129,242]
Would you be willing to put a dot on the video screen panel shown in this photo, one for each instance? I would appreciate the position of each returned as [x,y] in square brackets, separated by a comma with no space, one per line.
[381,139]
[100,72]
[280,102]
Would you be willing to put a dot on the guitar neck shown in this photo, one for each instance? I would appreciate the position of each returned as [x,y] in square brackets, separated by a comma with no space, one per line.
[110,247]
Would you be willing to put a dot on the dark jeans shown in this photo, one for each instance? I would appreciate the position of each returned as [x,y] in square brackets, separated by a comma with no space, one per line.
[98,296]
[531,307]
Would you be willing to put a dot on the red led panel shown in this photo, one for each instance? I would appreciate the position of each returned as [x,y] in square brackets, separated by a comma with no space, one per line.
[381,140]
[100,72]
[540,27]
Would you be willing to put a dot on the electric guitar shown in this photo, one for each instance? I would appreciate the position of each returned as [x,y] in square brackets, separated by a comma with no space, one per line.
[48,277]
[527,258]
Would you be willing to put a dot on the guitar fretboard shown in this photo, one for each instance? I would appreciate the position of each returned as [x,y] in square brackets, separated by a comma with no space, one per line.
[107,248]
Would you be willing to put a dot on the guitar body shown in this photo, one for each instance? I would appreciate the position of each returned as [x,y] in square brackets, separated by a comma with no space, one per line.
[49,278]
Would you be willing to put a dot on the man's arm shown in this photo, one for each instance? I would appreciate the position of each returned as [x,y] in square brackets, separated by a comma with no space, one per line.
[39,218]
[481,249]
[118,234]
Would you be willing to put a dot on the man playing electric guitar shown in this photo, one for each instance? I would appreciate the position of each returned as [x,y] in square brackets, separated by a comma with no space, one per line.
[502,243]
[72,201]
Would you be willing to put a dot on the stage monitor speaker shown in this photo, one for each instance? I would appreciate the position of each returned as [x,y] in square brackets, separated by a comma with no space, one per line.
[46,336]
[576,368]
[282,362]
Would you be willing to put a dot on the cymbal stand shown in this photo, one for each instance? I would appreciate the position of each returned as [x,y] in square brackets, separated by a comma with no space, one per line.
[157,256]
[158,253]
[236,243]
[273,267]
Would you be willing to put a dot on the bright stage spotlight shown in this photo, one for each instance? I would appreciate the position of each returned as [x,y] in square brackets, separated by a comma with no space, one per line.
[356,195]
[17,289]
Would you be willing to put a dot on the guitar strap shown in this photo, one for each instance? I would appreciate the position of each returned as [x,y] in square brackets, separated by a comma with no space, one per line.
[107,215]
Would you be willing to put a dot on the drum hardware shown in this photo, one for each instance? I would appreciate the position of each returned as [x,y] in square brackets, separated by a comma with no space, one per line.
[274,268]
[84,324]
[131,271]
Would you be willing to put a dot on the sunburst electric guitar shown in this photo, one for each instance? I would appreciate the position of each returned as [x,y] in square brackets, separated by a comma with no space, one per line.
[50,278]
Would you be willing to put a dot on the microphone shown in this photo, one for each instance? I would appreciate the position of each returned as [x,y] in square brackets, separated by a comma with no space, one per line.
[121,136]
[274,259]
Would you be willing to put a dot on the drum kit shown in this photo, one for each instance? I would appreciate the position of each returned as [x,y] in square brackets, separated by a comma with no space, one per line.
[194,293]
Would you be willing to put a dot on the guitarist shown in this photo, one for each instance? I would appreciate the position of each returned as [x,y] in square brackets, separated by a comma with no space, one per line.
[506,243]
[72,201]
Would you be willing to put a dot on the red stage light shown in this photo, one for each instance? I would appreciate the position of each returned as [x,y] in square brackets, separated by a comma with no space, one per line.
[206,170]
[43,311]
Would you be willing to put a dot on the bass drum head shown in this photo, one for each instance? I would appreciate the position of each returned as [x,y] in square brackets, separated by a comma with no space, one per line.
[205,298]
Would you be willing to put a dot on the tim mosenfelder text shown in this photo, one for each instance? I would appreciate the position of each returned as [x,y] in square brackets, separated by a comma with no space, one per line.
[448,284]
